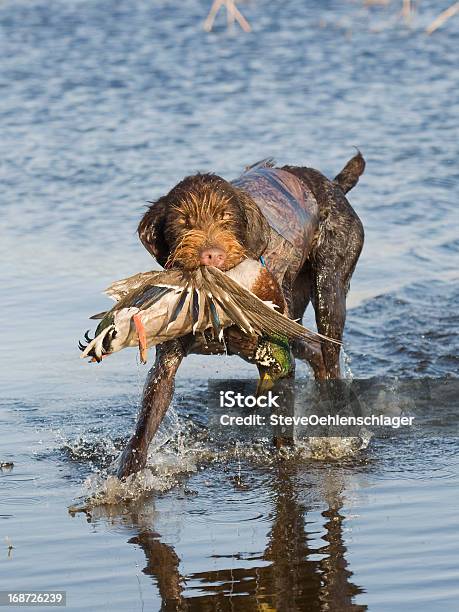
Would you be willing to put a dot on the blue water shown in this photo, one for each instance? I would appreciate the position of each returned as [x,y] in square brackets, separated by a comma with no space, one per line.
[105,105]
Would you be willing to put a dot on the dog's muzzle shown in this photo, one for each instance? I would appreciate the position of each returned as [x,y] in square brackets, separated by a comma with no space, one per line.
[212,256]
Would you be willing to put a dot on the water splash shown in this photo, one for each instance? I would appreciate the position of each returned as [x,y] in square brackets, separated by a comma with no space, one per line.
[326,448]
[181,447]
[171,465]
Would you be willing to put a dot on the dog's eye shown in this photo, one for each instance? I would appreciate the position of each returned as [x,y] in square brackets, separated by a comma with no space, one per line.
[225,216]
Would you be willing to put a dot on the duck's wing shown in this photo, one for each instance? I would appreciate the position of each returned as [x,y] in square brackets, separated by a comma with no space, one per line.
[158,293]
[138,282]
[252,314]
[174,303]
[144,289]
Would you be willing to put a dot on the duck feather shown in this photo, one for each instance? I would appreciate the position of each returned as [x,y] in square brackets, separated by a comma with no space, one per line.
[175,303]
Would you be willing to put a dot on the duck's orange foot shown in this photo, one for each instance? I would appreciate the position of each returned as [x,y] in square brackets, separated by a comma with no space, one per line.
[140,329]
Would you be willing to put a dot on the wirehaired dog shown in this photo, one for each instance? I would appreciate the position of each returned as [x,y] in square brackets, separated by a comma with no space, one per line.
[302,227]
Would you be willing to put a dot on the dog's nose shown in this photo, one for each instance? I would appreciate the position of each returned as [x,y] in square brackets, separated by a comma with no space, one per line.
[212,256]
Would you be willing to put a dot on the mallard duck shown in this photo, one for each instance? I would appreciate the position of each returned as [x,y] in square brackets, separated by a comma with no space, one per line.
[152,307]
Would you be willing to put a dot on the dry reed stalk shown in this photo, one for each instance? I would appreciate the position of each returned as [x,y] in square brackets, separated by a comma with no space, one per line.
[233,14]
[443,17]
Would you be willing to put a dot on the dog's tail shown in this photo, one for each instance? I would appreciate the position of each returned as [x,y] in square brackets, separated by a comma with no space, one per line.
[350,174]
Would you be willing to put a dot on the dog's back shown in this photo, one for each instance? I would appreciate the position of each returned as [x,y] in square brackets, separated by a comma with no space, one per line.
[293,206]
[292,212]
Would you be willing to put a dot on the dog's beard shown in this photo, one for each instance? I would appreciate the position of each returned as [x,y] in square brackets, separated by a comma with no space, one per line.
[187,252]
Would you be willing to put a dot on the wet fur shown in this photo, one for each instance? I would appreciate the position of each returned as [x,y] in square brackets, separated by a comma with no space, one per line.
[205,210]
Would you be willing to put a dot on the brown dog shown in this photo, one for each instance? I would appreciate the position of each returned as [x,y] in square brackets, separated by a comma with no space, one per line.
[296,220]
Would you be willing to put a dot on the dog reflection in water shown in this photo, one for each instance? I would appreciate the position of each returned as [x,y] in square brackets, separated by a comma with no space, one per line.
[290,575]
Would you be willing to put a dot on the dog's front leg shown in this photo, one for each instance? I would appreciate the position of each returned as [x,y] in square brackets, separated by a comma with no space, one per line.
[311,352]
[157,396]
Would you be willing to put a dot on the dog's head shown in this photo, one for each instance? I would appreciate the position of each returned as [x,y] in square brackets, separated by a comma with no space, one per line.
[204,220]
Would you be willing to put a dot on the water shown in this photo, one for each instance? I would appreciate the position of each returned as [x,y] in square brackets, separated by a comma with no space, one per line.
[105,105]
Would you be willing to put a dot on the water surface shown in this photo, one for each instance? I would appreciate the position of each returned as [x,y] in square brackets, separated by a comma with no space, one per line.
[105,105]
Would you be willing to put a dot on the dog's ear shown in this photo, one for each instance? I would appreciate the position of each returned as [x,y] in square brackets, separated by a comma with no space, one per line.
[151,231]
[257,228]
